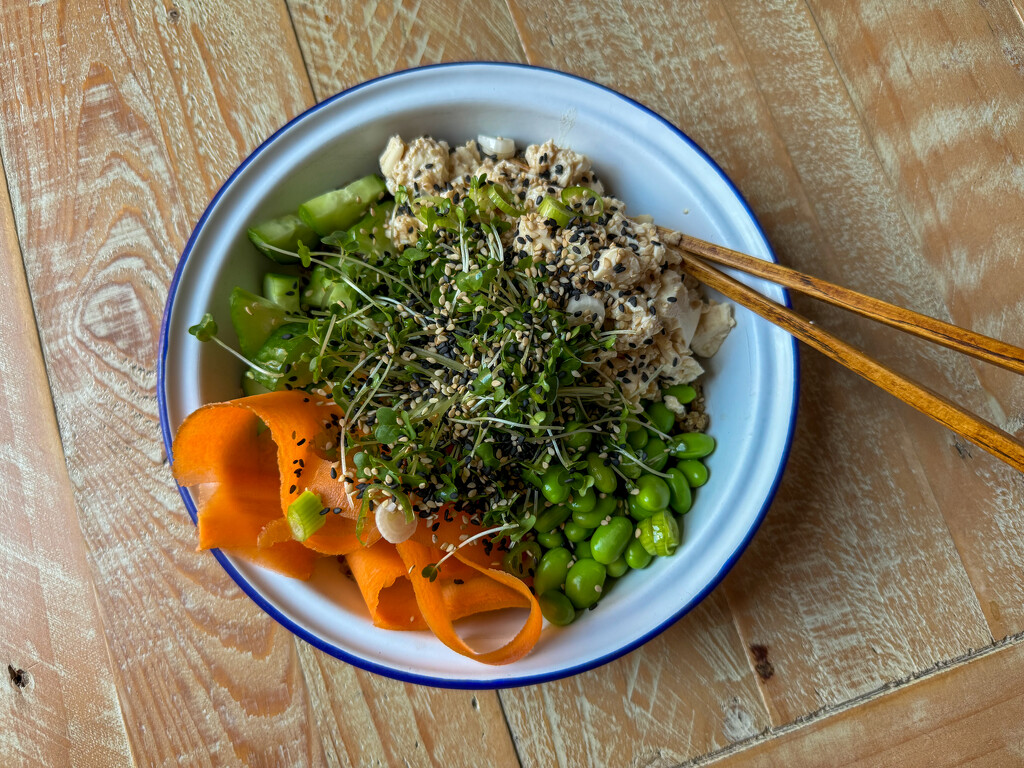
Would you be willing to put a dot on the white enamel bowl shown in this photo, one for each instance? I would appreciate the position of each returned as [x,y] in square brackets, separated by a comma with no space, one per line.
[751,384]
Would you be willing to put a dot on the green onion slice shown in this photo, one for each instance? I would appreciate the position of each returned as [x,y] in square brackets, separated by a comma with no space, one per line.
[304,515]
[550,208]
[502,199]
[583,196]
[659,534]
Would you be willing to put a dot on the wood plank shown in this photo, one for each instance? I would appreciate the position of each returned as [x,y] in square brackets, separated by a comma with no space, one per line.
[366,719]
[118,122]
[687,692]
[940,93]
[61,706]
[853,580]
[346,43]
[970,715]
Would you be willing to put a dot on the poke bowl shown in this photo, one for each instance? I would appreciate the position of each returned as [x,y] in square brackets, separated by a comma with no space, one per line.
[749,386]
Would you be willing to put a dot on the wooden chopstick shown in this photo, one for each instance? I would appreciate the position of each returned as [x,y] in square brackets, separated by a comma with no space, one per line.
[988,436]
[975,344]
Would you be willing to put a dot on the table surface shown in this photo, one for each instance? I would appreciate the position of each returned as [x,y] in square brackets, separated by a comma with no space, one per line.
[876,619]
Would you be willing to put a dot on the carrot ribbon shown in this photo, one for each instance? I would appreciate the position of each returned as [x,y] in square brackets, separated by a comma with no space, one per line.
[256,475]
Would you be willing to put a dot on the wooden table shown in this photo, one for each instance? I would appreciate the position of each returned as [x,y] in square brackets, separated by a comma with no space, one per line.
[878,616]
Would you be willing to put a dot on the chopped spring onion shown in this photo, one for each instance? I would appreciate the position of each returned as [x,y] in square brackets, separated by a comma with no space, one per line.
[550,208]
[659,534]
[304,515]
[585,196]
[502,198]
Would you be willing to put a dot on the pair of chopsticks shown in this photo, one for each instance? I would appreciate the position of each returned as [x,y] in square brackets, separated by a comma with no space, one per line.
[982,433]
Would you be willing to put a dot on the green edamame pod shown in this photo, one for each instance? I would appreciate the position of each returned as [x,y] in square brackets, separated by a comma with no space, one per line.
[604,476]
[679,488]
[551,539]
[692,445]
[684,393]
[555,484]
[579,441]
[557,608]
[575,532]
[585,582]
[637,438]
[609,542]
[657,453]
[617,568]
[551,570]
[254,319]
[582,502]
[654,493]
[636,510]
[636,556]
[695,472]
[551,518]
[341,208]
[661,417]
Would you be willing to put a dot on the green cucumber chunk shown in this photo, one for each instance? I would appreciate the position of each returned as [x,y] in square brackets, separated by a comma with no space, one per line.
[284,232]
[254,319]
[288,352]
[283,290]
[341,208]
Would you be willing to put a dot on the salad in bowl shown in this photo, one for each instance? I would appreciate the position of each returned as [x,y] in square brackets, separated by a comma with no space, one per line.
[480,339]
[472,413]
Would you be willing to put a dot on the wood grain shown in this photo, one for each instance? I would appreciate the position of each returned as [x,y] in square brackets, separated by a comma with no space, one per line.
[853,580]
[969,715]
[687,692]
[60,703]
[939,91]
[347,43]
[118,121]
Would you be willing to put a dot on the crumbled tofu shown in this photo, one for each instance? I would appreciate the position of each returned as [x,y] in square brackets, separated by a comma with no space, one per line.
[712,329]
[617,272]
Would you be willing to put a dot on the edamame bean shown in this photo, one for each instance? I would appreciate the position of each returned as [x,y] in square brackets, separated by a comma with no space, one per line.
[608,542]
[557,608]
[636,556]
[636,511]
[551,539]
[583,549]
[593,518]
[692,445]
[551,570]
[582,502]
[695,472]
[617,568]
[684,393]
[579,441]
[585,582]
[604,476]
[657,453]
[654,493]
[551,518]
[555,484]
[575,532]
[637,438]
[661,417]
[679,487]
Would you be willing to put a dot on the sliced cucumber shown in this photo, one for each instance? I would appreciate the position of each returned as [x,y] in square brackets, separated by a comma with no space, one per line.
[254,319]
[287,351]
[283,290]
[283,232]
[341,208]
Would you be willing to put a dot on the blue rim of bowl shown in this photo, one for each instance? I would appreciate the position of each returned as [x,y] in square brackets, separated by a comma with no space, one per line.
[380,669]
